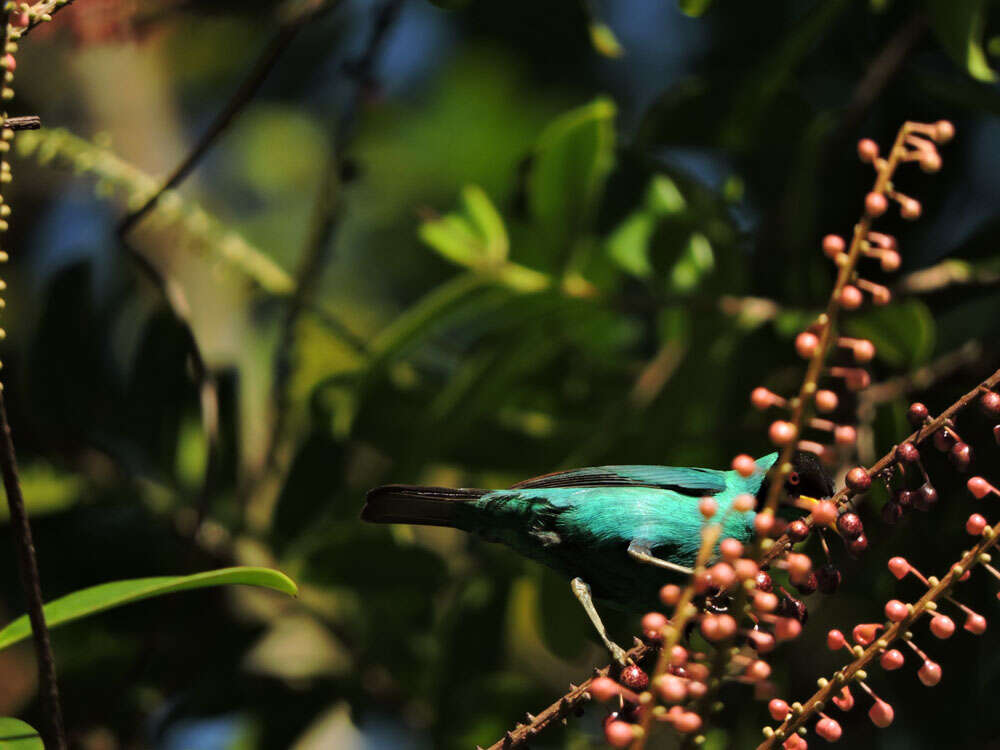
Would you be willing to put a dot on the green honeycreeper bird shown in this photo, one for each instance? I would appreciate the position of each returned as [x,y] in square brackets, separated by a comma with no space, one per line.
[617,532]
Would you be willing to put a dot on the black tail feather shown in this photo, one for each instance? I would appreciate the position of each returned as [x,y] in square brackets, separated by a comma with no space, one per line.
[425,506]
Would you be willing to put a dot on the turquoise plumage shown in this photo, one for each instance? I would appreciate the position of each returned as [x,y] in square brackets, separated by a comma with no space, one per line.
[619,532]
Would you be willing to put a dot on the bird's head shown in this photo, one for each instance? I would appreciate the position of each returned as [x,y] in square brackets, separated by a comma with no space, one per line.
[808,478]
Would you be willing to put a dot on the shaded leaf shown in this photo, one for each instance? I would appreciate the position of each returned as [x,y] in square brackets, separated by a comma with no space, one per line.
[693,8]
[903,332]
[604,40]
[106,596]
[959,26]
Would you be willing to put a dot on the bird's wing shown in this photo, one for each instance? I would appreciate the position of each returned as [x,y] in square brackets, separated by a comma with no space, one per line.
[687,481]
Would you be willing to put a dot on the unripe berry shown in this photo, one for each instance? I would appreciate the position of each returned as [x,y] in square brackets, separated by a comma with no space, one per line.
[835,640]
[765,601]
[707,507]
[881,714]
[746,569]
[7,62]
[989,402]
[687,722]
[864,350]
[975,524]
[618,734]
[899,567]
[778,709]
[944,131]
[851,297]
[876,204]
[866,633]
[910,209]
[930,673]
[762,399]
[653,621]
[908,453]
[743,503]
[895,610]
[826,400]
[798,565]
[20,19]
[844,701]
[828,729]
[844,434]
[867,150]
[890,261]
[782,432]
[744,465]
[891,660]
[917,414]
[806,344]
[787,629]
[761,641]
[731,548]
[849,524]
[603,689]
[858,479]
[758,670]
[763,523]
[723,575]
[833,245]
[671,689]
[670,594]
[930,162]
[975,623]
[942,626]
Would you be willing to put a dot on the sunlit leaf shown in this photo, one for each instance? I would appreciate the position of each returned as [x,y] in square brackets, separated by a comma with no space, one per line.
[604,40]
[106,596]
[959,26]
[18,735]
[693,7]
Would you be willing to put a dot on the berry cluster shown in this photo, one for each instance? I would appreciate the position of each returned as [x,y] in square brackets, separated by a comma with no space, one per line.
[889,641]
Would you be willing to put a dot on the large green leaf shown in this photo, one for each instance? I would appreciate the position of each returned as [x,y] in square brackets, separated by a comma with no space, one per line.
[105,596]
[903,332]
[571,162]
[959,26]
[18,735]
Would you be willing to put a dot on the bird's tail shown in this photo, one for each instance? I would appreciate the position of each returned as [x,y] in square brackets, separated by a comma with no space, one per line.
[425,506]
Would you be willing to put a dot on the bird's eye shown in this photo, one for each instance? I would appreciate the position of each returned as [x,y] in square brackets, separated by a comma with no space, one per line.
[793,478]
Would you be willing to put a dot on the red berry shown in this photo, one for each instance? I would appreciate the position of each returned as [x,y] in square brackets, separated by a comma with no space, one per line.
[857,546]
[890,261]
[910,209]
[851,297]
[849,524]
[899,567]
[895,610]
[858,479]
[8,62]
[975,525]
[891,512]
[917,414]
[989,402]
[778,709]
[20,19]
[961,455]
[634,678]
[942,626]
[806,344]
[930,673]
[943,440]
[881,713]
[891,660]
[979,487]
[876,204]
[798,530]
[764,582]
[828,729]
[908,453]
[903,498]
[867,150]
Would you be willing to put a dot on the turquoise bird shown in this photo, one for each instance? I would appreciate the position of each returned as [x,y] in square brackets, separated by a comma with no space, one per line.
[617,532]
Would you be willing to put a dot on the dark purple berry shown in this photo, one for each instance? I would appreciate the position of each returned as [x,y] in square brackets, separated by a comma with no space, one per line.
[857,546]
[908,453]
[798,530]
[996,434]
[808,585]
[764,582]
[849,524]
[793,608]
[828,578]
[927,498]
[944,440]
[989,402]
[961,455]
[891,512]
[858,479]
[917,414]
[904,499]
[634,678]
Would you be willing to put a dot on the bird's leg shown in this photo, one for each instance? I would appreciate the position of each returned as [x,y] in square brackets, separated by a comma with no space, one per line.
[582,592]
[639,551]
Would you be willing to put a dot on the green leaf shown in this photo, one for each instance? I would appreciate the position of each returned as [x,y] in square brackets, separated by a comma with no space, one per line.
[571,162]
[18,735]
[604,40]
[903,332]
[959,26]
[696,261]
[475,238]
[693,8]
[628,245]
[105,596]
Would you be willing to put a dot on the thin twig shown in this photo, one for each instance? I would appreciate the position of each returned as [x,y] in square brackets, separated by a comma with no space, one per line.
[279,43]
[27,565]
[27,122]
[39,11]
[325,217]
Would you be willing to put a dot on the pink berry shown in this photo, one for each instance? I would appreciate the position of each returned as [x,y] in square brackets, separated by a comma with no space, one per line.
[763,523]
[826,401]
[806,344]
[731,548]
[761,398]
[798,565]
[979,487]
[603,689]
[975,524]
[781,432]
[864,350]
[764,601]
[944,131]
[876,204]
[844,434]
[890,261]
[824,512]
[762,642]
[723,575]
[851,297]
[844,701]
[835,640]
[744,465]
[930,673]
[867,150]
[899,567]
[910,209]
[707,506]
[930,161]
[653,621]
[670,594]
[20,19]
[778,709]
[745,502]
[828,729]
[895,610]
[975,623]
[687,722]
[618,734]
[678,656]
[672,689]
[833,246]
[758,670]
[745,569]
[8,62]
[891,660]
[881,714]
[866,633]
[786,629]
[942,626]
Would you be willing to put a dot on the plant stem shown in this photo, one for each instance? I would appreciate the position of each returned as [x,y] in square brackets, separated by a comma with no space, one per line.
[28,567]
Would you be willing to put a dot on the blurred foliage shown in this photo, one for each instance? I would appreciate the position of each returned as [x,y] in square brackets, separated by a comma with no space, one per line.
[567,234]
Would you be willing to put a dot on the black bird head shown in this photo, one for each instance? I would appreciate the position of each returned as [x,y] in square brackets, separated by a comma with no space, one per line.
[808,478]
